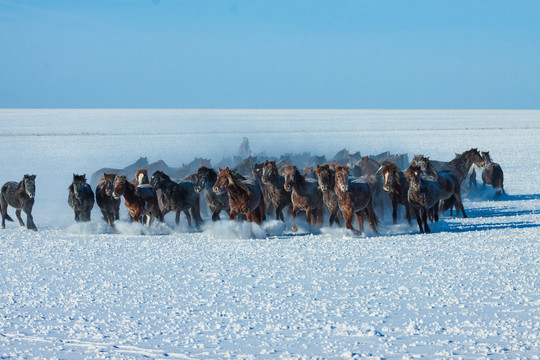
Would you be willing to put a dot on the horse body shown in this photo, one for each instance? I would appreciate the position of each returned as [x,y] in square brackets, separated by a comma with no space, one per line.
[177,197]
[423,195]
[354,197]
[366,166]
[274,183]
[493,174]
[81,198]
[245,196]
[397,186]
[305,195]
[108,204]
[326,177]
[20,196]
[139,200]
[205,178]
[448,181]
[258,174]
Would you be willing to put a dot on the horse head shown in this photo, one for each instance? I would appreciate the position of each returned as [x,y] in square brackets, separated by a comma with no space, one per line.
[258,171]
[120,183]
[142,176]
[224,180]
[108,183]
[158,177]
[290,173]
[78,182]
[269,171]
[325,177]
[390,175]
[486,157]
[29,183]
[342,173]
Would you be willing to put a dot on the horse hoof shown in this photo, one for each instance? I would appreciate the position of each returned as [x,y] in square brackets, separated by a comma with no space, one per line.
[294,228]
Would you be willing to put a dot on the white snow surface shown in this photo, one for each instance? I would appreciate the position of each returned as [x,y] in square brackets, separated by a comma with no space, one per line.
[470,289]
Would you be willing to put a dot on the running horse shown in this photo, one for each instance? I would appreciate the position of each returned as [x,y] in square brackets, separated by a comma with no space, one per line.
[109,206]
[245,196]
[354,197]
[139,200]
[423,196]
[19,195]
[81,198]
[305,195]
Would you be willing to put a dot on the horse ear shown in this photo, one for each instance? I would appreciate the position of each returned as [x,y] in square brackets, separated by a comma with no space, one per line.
[220,169]
[346,168]
[33,177]
[318,166]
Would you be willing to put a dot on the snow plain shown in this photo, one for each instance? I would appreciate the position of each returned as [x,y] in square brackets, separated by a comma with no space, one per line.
[469,290]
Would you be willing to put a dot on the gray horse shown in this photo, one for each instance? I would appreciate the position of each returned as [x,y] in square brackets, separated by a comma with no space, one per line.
[21,197]
[81,198]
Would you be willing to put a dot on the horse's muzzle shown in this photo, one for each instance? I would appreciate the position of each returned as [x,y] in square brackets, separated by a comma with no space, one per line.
[386,187]
[324,188]
[287,187]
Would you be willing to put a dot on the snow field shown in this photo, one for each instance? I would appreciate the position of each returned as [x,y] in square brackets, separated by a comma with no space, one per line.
[468,290]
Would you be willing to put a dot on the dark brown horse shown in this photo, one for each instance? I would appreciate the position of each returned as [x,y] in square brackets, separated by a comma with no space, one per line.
[205,178]
[245,196]
[139,200]
[20,196]
[449,185]
[177,197]
[493,174]
[423,196]
[258,174]
[326,177]
[354,197]
[397,186]
[109,206]
[306,195]
[81,198]
[274,182]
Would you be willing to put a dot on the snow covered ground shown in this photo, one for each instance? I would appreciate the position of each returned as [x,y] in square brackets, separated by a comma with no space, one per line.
[469,290]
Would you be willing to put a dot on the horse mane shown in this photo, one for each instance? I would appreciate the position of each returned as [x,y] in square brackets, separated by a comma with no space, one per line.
[237,181]
[212,174]
[463,157]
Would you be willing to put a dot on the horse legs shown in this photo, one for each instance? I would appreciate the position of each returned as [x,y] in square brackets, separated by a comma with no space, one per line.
[459,204]
[196,213]
[188,217]
[29,219]
[279,212]
[418,219]
[18,214]
[215,215]
[360,220]
[408,213]
[373,220]
[424,212]
[177,217]
[233,214]
[293,213]
[394,210]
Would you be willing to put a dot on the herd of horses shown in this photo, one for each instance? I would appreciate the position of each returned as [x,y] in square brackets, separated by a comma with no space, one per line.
[361,189]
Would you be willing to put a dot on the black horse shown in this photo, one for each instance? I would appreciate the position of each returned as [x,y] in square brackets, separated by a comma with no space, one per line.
[81,198]
[177,197]
[109,206]
[21,197]
[205,178]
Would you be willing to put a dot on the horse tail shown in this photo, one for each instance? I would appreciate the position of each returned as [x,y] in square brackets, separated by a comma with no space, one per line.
[373,220]
[4,205]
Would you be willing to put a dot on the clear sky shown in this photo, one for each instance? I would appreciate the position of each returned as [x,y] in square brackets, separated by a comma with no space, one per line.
[270,54]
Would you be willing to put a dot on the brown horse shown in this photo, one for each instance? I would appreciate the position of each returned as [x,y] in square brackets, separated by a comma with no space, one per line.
[326,177]
[354,197]
[245,196]
[139,200]
[493,174]
[397,186]
[141,177]
[423,196]
[449,185]
[366,166]
[306,195]
[273,182]
[109,206]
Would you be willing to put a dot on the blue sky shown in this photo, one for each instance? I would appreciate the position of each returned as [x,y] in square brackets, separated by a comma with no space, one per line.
[270,54]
